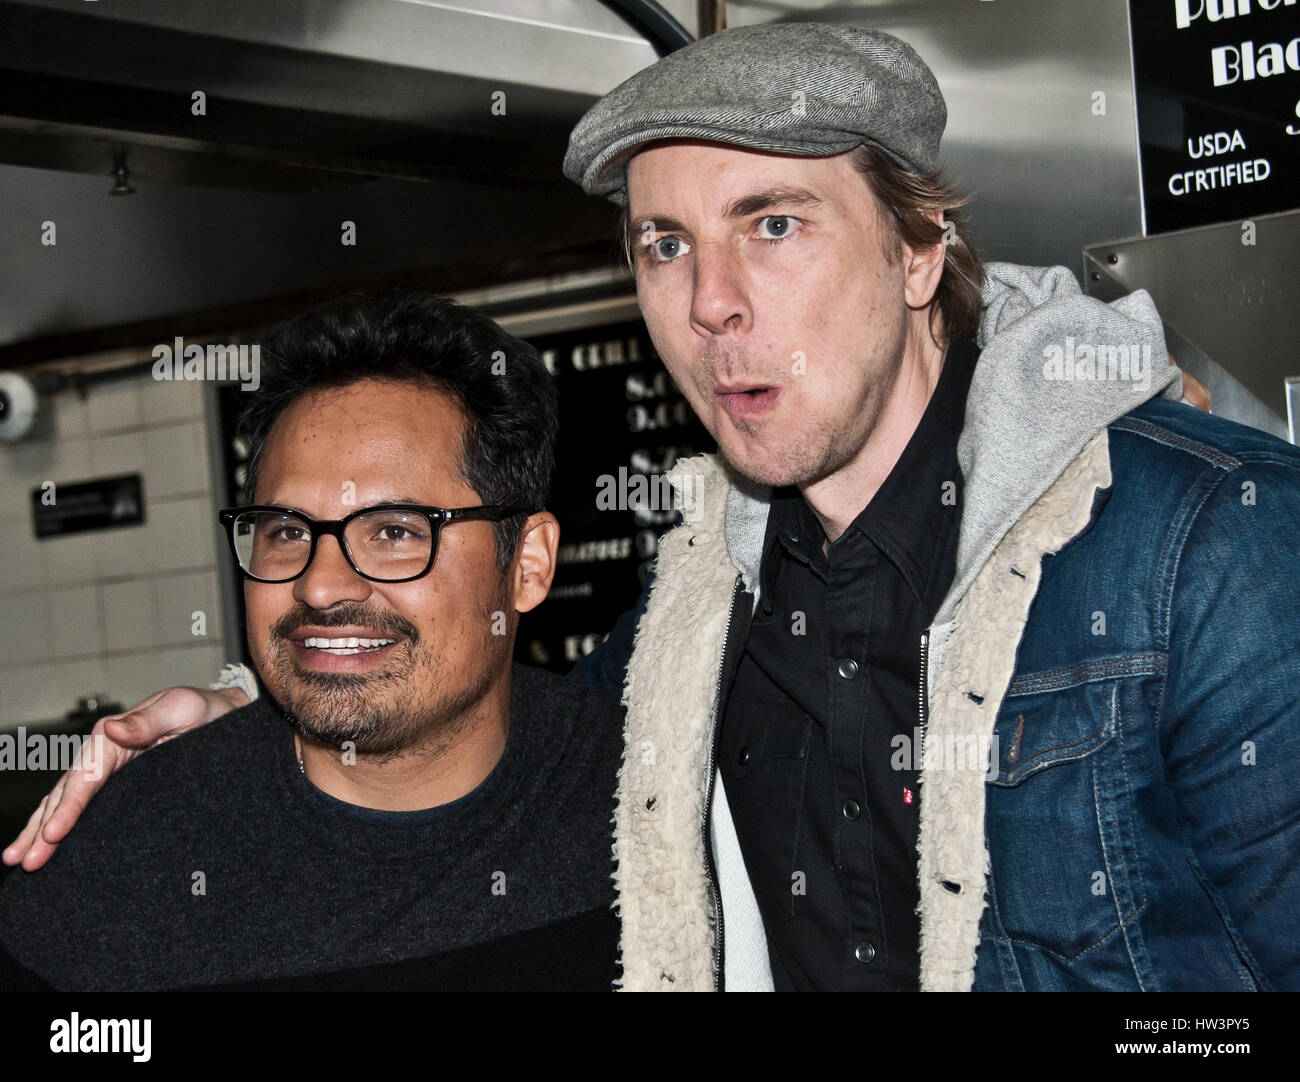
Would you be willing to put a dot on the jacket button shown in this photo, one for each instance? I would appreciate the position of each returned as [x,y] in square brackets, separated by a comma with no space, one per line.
[848,668]
[743,757]
[865,953]
[851,809]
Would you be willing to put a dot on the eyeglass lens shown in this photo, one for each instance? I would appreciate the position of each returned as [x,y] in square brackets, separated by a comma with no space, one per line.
[383,544]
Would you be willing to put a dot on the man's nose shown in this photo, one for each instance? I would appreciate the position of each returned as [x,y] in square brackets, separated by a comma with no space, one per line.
[719,299]
[330,578]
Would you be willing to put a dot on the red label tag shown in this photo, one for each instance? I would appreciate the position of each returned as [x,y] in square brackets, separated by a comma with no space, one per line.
[907,795]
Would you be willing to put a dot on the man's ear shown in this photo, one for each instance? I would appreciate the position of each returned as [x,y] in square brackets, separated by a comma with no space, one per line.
[924,268]
[534,566]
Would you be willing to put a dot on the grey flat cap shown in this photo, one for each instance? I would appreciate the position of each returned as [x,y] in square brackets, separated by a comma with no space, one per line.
[810,89]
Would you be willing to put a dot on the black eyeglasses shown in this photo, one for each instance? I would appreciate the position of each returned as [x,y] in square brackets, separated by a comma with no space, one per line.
[392,542]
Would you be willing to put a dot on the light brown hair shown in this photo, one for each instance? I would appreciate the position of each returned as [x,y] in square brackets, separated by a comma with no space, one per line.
[907,200]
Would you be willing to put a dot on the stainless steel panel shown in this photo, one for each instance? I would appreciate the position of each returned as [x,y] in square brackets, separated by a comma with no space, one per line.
[308,101]
[1232,306]
[1047,175]
[577,46]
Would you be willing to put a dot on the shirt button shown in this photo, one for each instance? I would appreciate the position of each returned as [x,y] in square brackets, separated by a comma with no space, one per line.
[848,668]
[743,757]
[864,953]
[851,809]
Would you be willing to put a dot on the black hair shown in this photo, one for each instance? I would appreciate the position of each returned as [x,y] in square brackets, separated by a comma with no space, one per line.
[500,383]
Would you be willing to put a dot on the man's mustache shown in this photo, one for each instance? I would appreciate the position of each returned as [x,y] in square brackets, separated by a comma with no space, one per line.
[728,364]
[342,616]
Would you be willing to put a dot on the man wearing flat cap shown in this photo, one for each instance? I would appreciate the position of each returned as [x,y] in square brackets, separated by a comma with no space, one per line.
[980,660]
[971,665]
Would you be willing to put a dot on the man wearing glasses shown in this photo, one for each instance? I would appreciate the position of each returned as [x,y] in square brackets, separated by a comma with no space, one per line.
[406,809]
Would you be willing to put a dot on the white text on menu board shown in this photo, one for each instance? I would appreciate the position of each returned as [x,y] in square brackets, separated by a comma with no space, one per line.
[1230,64]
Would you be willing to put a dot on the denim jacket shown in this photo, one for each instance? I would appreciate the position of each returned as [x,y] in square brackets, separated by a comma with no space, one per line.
[1143,820]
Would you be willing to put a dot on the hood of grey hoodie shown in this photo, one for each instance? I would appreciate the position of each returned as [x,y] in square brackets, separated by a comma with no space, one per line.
[1022,428]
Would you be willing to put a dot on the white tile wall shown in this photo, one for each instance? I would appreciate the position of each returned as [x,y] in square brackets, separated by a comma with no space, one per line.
[24,629]
[162,401]
[177,459]
[71,418]
[110,612]
[129,614]
[114,405]
[181,534]
[131,677]
[178,599]
[76,557]
[76,622]
[121,453]
[24,565]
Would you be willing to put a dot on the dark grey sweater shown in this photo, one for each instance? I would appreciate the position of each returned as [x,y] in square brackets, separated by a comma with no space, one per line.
[508,888]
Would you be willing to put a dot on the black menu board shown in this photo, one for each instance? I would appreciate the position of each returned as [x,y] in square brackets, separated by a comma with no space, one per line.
[623,424]
[1218,109]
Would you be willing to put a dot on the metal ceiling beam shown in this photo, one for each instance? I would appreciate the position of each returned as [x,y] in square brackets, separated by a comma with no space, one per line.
[306,93]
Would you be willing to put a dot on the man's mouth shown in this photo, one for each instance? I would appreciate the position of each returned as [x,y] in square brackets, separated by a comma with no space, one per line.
[356,650]
[346,645]
[746,401]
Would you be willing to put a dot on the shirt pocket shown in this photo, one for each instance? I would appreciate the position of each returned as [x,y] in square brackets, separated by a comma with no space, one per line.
[765,787]
[1058,764]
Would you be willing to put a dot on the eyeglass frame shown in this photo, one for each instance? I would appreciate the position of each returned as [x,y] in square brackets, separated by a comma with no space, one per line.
[437,517]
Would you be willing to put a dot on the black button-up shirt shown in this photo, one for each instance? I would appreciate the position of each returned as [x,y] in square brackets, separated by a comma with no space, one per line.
[819,727]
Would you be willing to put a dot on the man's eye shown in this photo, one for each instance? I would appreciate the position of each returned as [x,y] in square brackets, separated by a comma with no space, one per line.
[666,249]
[288,535]
[394,532]
[776,227]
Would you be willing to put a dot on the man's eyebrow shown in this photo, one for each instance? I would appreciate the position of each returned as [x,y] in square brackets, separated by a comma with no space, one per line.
[384,501]
[772,197]
[374,503]
[658,224]
[740,208]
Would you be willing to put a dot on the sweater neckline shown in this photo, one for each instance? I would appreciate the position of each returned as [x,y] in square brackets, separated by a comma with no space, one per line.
[427,834]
